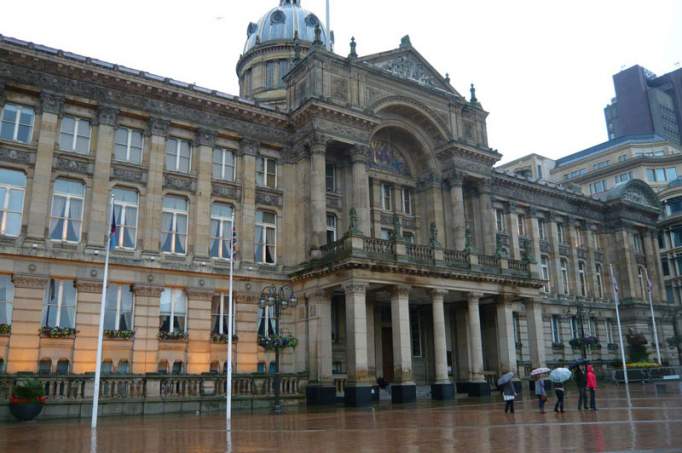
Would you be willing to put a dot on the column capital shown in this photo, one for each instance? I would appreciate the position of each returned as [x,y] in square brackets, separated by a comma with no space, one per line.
[147,290]
[200,293]
[157,126]
[352,288]
[318,142]
[205,137]
[248,147]
[359,154]
[485,186]
[30,281]
[474,297]
[51,102]
[401,290]
[454,178]
[107,116]
[438,293]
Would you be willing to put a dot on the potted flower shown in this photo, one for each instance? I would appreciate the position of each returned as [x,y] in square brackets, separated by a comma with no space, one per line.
[280,342]
[119,334]
[5,329]
[173,335]
[27,399]
[57,332]
[222,338]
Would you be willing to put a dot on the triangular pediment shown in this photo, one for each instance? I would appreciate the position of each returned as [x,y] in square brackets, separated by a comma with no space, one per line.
[407,63]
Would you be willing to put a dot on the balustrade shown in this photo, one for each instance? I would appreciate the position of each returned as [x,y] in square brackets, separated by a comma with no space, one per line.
[380,248]
[489,261]
[420,253]
[518,265]
[457,258]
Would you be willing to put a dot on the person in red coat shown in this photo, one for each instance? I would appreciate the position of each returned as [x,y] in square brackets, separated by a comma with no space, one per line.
[592,386]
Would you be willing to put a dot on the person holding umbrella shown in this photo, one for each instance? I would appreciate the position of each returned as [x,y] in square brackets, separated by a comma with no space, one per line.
[508,391]
[581,382]
[539,375]
[558,376]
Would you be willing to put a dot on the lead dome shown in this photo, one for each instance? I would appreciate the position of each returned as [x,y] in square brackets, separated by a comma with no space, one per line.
[285,22]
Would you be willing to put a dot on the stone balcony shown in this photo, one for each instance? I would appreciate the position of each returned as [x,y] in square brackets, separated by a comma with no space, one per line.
[398,256]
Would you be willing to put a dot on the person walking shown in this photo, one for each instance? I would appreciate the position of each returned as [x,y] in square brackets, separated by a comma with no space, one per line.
[592,387]
[559,390]
[509,395]
[581,382]
[540,393]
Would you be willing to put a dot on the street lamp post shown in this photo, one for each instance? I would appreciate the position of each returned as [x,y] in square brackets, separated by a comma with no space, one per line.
[280,298]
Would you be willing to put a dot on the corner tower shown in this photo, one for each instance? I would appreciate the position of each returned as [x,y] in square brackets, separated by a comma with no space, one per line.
[272,45]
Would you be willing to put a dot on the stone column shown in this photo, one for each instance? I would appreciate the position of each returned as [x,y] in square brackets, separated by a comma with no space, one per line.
[361,188]
[358,390]
[153,201]
[442,388]
[24,343]
[536,332]
[505,335]
[475,340]
[371,346]
[489,240]
[318,193]
[321,389]
[653,265]
[146,343]
[513,230]
[458,212]
[246,233]
[555,258]
[199,330]
[572,232]
[87,323]
[205,141]
[404,390]
[535,235]
[39,207]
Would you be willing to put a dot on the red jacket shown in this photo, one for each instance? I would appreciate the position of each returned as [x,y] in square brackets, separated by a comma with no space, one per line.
[591,378]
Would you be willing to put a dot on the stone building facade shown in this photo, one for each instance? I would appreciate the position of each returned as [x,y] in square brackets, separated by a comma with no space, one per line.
[364,183]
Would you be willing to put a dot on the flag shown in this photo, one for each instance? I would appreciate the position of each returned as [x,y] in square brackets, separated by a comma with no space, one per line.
[649,285]
[113,236]
[234,250]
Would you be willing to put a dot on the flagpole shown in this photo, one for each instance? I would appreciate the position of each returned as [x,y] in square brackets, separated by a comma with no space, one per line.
[228,393]
[100,333]
[614,285]
[653,317]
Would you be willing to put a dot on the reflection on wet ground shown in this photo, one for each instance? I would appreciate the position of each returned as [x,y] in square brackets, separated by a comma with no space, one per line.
[654,423]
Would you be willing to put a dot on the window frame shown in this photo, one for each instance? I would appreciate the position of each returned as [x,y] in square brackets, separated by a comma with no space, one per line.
[599,279]
[265,227]
[563,264]
[223,165]
[582,279]
[119,300]
[406,200]
[175,213]
[268,163]
[222,254]
[178,155]
[416,334]
[122,227]
[172,314]
[332,228]
[7,304]
[75,134]
[386,197]
[499,221]
[129,140]
[546,273]
[5,203]
[561,233]
[17,122]
[59,288]
[330,182]
[555,325]
[67,209]
[222,301]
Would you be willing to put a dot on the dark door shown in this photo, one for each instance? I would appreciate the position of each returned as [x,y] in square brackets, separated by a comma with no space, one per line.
[387,353]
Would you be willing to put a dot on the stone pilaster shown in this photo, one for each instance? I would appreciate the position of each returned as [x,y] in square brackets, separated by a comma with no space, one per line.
[87,322]
[199,329]
[513,230]
[205,141]
[555,259]
[535,236]
[458,212]
[536,332]
[489,240]
[248,213]
[39,208]
[146,343]
[653,265]
[320,389]
[318,193]
[100,206]
[157,132]
[361,189]
[24,343]
[358,390]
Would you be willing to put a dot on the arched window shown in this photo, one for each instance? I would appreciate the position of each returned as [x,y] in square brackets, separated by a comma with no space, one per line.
[67,210]
[12,187]
[564,277]
[544,264]
[599,280]
[123,367]
[222,219]
[45,367]
[581,278]
[174,225]
[126,205]
[63,366]
[173,314]
[119,308]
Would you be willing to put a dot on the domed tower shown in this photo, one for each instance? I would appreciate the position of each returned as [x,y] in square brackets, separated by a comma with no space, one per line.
[271,47]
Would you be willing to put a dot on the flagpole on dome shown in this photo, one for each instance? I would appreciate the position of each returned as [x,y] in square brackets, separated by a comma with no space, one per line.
[616,296]
[649,286]
[110,238]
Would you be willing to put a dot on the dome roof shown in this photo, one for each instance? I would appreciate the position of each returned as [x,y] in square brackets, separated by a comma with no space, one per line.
[282,24]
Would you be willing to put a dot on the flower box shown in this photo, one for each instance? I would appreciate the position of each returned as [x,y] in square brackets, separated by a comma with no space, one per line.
[57,332]
[557,346]
[5,329]
[119,334]
[222,338]
[612,347]
[172,336]
[277,342]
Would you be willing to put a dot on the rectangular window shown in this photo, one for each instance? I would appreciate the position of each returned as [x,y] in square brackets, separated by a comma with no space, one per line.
[579,237]
[67,210]
[637,242]
[598,187]
[118,313]
[386,234]
[174,225]
[12,186]
[75,135]
[666,267]
[59,307]
[406,200]
[556,329]
[599,280]
[669,294]
[542,229]
[126,203]
[415,333]
[602,164]
[220,319]
[574,327]
[331,228]
[609,331]
[623,177]
[270,74]
[128,145]
[266,237]
[521,224]
[266,172]
[173,312]
[561,233]
[6,299]
[386,197]
[564,277]
[499,220]
[544,264]
[223,164]
[582,282]
[178,155]
[330,177]
[266,321]
[222,219]
[17,123]
[661,174]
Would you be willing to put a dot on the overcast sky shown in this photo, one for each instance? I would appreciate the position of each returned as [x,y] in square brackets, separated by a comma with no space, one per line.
[542,68]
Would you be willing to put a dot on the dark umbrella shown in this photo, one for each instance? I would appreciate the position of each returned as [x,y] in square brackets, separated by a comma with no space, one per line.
[578,362]
[505,378]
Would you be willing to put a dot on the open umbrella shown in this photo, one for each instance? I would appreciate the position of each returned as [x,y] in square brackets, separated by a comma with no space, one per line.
[578,362]
[560,375]
[539,371]
[506,377]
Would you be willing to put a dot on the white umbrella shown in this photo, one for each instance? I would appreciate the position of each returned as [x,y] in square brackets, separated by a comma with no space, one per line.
[560,375]
[539,371]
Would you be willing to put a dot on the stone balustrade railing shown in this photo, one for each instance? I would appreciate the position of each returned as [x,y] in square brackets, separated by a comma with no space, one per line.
[489,260]
[340,383]
[420,253]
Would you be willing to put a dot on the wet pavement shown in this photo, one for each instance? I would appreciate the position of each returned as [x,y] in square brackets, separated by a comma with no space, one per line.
[654,424]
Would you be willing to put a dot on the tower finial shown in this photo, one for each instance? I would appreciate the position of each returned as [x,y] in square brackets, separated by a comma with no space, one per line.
[472,90]
[318,35]
[297,48]
[353,51]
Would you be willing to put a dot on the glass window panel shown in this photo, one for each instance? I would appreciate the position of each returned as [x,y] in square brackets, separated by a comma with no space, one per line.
[166,301]
[12,224]
[16,200]
[12,177]
[268,217]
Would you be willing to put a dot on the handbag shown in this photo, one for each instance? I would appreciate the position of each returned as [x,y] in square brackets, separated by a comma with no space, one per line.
[508,397]
[543,398]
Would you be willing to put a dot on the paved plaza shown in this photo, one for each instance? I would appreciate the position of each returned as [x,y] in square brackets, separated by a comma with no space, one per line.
[655,424]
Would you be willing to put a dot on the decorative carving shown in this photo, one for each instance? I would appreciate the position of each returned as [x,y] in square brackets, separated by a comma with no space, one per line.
[339,88]
[157,126]
[206,137]
[107,116]
[401,291]
[427,181]
[147,290]
[395,233]
[355,288]
[385,157]
[30,281]
[248,147]
[51,102]
[89,286]
[410,223]
[268,198]
[17,156]
[129,174]
[179,182]
[408,66]
[359,154]
[200,293]
[226,190]
[62,162]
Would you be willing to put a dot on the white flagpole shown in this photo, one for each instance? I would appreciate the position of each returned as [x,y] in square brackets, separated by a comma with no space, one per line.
[653,317]
[228,393]
[100,334]
[620,335]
